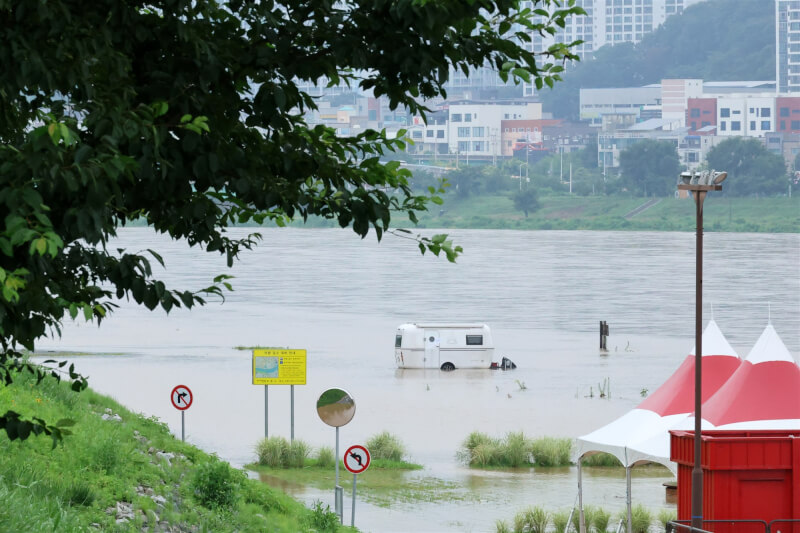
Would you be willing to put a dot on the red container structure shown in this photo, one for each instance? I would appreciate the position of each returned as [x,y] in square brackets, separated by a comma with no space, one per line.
[749,475]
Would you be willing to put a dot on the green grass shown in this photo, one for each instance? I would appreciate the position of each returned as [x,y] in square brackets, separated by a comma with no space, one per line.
[600,459]
[514,451]
[761,215]
[384,445]
[382,484]
[107,465]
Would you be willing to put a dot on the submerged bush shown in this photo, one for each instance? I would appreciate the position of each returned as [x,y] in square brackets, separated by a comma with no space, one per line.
[501,526]
[532,520]
[600,459]
[514,451]
[272,451]
[386,446]
[325,456]
[277,452]
[641,518]
[560,521]
[601,519]
[665,516]
[551,451]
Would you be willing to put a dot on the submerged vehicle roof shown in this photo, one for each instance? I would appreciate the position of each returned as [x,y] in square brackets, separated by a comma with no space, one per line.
[442,325]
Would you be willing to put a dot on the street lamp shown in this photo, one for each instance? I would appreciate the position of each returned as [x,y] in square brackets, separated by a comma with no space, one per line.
[699,183]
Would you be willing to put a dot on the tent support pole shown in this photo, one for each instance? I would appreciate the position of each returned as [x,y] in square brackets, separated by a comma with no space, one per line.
[628,497]
[582,520]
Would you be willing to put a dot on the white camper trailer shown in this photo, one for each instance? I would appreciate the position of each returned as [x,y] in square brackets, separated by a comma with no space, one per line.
[445,346]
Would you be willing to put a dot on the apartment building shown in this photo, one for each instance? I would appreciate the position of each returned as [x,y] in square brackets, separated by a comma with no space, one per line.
[787,46]
[608,22]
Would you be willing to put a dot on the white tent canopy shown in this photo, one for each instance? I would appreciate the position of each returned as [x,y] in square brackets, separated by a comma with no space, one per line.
[642,434]
[671,403]
[763,393]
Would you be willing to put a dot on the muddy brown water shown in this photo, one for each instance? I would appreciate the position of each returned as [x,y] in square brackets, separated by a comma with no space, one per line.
[543,294]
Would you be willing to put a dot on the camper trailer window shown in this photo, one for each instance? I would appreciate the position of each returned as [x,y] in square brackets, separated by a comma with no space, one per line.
[474,340]
[397,340]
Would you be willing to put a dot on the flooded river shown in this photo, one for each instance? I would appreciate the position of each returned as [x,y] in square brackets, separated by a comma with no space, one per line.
[543,294]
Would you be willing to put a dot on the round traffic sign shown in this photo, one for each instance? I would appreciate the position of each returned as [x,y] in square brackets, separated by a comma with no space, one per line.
[356,459]
[181,397]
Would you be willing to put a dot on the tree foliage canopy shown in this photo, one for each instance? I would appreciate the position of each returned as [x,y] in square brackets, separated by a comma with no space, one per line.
[649,168]
[189,115]
[752,169]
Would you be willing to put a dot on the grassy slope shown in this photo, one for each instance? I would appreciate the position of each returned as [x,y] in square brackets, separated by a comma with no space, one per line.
[77,485]
[773,215]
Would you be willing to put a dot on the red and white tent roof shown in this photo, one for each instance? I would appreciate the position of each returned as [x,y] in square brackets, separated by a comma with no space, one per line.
[764,393]
[642,434]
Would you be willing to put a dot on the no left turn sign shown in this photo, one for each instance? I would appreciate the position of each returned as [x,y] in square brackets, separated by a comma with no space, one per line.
[181,397]
[356,459]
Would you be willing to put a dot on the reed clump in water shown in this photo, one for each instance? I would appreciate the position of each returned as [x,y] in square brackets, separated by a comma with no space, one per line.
[277,452]
[515,450]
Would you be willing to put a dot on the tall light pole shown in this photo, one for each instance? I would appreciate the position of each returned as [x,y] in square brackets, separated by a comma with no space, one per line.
[699,183]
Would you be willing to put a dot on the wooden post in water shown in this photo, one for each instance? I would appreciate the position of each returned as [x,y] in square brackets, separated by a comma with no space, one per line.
[603,335]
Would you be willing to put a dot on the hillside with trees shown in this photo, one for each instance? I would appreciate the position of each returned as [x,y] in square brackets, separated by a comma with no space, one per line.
[715,40]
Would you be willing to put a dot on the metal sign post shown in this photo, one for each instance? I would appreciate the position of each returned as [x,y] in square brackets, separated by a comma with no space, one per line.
[356,460]
[266,411]
[181,398]
[278,366]
[336,408]
[291,388]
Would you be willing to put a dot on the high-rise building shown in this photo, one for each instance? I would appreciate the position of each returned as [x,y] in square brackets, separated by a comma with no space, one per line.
[608,22]
[787,46]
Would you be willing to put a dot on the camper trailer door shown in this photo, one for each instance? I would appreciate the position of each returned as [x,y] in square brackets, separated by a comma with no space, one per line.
[431,349]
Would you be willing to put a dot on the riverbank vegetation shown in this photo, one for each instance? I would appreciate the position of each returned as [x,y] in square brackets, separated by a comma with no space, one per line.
[538,520]
[120,471]
[514,450]
[386,452]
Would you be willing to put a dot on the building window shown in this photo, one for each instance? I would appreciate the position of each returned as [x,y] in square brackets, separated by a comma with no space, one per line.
[736,125]
[416,134]
[694,127]
[795,125]
[694,113]
[765,112]
[725,112]
[463,132]
[477,132]
[704,124]
[752,125]
[765,125]
[468,117]
[429,133]
[723,126]
[784,111]
[440,134]
[783,125]
[455,117]
[463,146]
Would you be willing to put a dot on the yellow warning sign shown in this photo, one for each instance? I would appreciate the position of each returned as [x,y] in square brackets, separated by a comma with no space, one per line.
[278,366]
